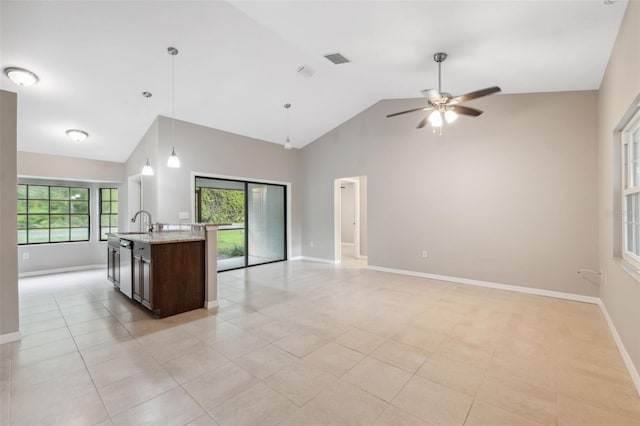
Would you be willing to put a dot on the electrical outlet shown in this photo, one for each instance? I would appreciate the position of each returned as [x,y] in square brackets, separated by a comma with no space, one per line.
[25,255]
[424,254]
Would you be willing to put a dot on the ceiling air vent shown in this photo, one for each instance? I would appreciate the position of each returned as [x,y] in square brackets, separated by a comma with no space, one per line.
[337,58]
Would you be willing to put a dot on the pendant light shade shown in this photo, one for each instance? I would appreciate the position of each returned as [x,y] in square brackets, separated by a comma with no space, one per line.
[173,161]
[147,170]
[287,144]
[450,116]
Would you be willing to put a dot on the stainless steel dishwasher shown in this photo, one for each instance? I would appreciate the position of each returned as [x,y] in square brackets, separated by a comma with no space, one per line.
[126,274]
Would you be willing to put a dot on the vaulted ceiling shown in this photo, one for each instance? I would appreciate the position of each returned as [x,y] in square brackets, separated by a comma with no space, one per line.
[238,61]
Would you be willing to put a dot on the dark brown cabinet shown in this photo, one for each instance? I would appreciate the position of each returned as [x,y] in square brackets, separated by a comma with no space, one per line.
[169,278]
[113,262]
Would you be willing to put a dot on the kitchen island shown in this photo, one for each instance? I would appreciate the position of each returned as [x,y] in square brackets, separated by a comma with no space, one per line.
[164,271]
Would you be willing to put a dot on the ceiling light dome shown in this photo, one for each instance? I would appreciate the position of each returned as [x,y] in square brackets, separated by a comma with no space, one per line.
[21,76]
[77,135]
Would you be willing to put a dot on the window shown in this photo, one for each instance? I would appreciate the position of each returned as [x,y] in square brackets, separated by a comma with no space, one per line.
[631,189]
[52,214]
[108,212]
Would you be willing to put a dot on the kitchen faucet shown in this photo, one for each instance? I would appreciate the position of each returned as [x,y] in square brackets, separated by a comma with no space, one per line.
[135,216]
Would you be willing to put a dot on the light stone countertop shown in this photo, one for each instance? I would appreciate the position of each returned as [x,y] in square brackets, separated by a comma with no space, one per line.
[162,237]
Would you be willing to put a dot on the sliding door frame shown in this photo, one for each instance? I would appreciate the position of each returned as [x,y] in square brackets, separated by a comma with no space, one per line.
[246,181]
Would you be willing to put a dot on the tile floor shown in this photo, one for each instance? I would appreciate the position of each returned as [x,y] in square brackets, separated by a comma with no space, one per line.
[300,343]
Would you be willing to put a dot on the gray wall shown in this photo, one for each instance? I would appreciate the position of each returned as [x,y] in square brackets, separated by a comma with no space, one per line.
[8,214]
[363,216]
[507,197]
[57,170]
[620,87]
[209,151]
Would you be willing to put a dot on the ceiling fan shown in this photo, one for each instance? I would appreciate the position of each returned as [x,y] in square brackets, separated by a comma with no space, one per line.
[443,104]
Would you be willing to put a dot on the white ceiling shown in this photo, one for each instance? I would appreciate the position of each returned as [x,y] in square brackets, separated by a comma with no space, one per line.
[238,60]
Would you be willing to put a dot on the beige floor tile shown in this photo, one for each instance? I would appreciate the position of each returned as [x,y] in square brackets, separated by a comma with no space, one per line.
[601,388]
[237,346]
[43,352]
[334,359]
[258,405]
[166,352]
[467,354]
[84,409]
[215,387]
[531,370]
[453,374]
[265,361]
[300,382]
[43,338]
[378,378]
[360,340]
[340,404]
[91,326]
[195,363]
[520,397]
[204,420]
[433,402]
[47,370]
[393,416]
[133,390]
[572,412]
[403,356]
[106,351]
[427,340]
[300,345]
[40,326]
[116,369]
[41,316]
[175,407]
[250,321]
[115,334]
[277,330]
[211,329]
[482,414]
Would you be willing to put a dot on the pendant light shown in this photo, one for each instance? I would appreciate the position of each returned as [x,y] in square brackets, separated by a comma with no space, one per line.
[287,144]
[147,170]
[173,160]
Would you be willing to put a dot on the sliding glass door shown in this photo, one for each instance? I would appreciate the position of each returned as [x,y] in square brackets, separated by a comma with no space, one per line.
[255,218]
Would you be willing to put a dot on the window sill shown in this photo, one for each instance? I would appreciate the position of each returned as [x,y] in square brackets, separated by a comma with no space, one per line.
[629,268]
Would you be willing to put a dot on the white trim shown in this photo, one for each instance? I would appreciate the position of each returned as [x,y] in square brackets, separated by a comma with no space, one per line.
[363,257]
[60,270]
[10,337]
[507,287]
[631,368]
[318,259]
[212,304]
[295,258]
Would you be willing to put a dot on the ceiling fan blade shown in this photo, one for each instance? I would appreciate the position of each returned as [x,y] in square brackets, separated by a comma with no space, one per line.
[408,111]
[433,95]
[422,122]
[475,95]
[465,110]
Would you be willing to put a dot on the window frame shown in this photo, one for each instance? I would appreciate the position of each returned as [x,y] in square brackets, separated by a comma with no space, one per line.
[26,213]
[100,212]
[629,187]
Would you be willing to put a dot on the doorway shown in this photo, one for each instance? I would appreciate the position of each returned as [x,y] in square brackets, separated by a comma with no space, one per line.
[350,220]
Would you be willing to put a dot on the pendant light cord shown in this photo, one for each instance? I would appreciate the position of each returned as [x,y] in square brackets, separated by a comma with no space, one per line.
[173,101]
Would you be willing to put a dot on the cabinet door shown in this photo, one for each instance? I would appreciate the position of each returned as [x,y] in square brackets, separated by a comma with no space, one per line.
[116,267]
[137,278]
[110,264]
[147,297]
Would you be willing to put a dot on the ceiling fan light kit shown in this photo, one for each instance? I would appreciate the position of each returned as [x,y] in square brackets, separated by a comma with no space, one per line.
[443,105]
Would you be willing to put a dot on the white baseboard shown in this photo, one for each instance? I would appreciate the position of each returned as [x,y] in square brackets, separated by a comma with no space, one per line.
[295,258]
[362,257]
[10,337]
[212,304]
[633,372]
[61,270]
[348,244]
[319,259]
[507,287]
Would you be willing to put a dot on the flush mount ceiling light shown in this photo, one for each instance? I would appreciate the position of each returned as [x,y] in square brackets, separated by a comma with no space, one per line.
[21,76]
[173,161]
[287,144]
[147,170]
[446,107]
[77,135]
